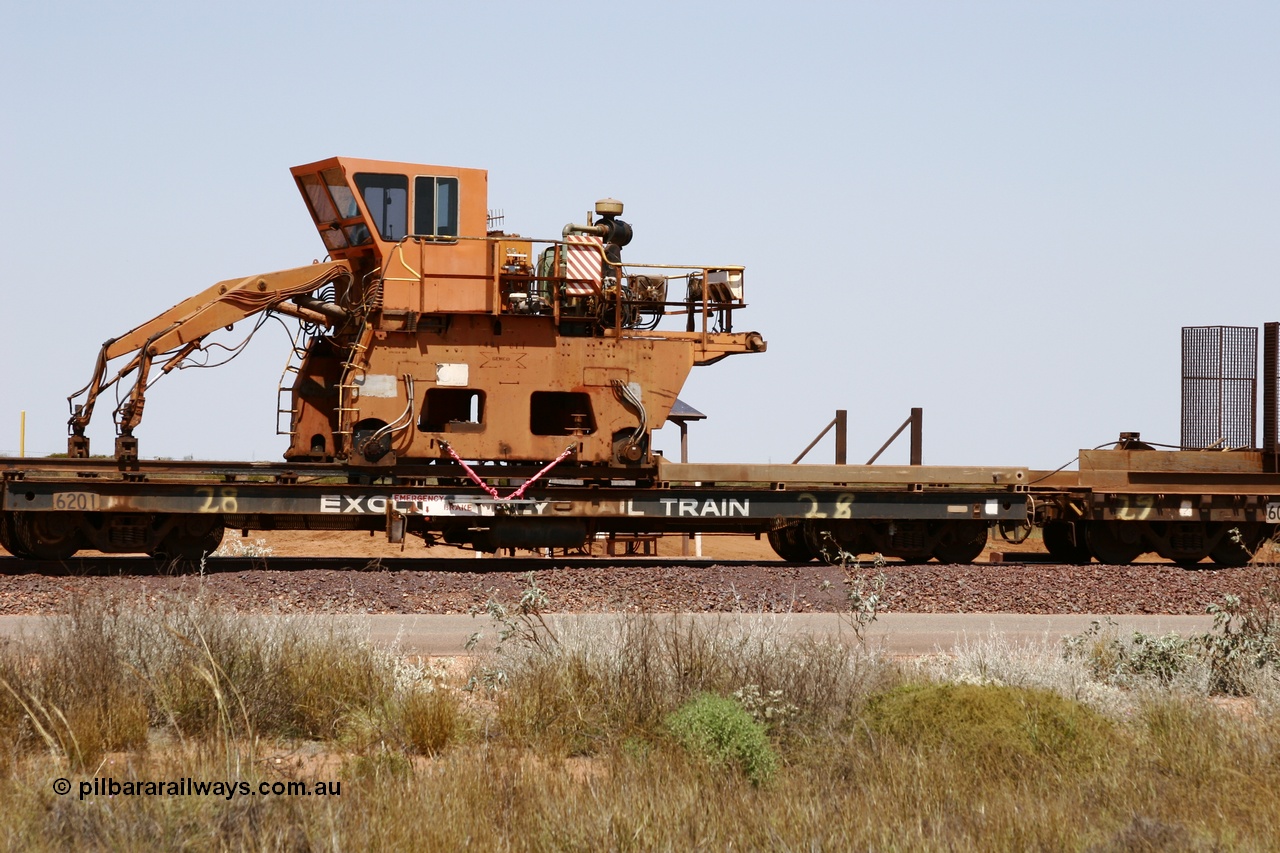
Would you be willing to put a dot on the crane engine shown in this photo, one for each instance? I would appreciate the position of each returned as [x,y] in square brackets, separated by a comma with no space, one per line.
[428,334]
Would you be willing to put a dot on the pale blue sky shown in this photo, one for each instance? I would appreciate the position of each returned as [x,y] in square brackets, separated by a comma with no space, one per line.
[1001,212]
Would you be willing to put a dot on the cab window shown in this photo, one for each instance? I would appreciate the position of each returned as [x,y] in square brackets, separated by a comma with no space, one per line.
[333,206]
[435,206]
[387,199]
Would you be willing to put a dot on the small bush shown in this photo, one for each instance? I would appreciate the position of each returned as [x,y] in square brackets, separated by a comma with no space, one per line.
[557,703]
[380,767]
[770,709]
[722,731]
[325,675]
[1112,660]
[1161,657]
[428,721]
[1190,745]
[283,676]
[995,726]
[105,672]
[1245,642]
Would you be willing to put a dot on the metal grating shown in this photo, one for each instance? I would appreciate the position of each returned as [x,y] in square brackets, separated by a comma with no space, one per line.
[1270,387]
[1219,386]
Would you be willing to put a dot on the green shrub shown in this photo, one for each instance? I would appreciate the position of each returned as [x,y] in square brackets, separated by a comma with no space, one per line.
[1244,645]
[722,731]
[1115,661]
[999,727]
[379,767]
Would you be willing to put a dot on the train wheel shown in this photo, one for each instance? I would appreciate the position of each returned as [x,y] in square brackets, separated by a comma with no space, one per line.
[1065,541]
[961,541]
[9,538]
[1237,545]
[823,545]
[1230,554]
[46,535]
[911,541]
[1114,543]
[788,543]
[191,538]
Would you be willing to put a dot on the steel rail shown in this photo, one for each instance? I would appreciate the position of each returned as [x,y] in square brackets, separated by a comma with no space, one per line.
[142,566]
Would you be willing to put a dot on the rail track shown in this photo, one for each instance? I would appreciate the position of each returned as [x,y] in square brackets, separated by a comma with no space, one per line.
[144,566]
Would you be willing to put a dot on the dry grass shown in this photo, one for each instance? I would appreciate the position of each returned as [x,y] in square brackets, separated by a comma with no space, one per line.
[429,721]
[583,742]
[108,672]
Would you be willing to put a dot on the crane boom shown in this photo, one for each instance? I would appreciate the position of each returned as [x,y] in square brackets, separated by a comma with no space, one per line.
[181,330]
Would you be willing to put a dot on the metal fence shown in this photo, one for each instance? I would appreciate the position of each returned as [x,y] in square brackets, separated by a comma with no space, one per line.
[1219,386]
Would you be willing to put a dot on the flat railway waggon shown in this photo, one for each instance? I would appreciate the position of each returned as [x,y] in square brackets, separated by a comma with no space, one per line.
[457,383]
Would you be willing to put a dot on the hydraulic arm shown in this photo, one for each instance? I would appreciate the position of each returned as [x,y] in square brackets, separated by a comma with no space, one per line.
[177,333]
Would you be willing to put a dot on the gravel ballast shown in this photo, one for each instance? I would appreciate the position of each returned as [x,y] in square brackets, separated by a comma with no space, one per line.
[994,588]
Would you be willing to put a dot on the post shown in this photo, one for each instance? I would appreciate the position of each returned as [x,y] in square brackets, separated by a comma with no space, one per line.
[842,437]
[684,458]
[917,440]
[22,434]
[803,453]
[1270,409]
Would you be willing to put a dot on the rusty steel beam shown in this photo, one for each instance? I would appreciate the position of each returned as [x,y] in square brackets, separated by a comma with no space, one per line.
[1173,462]
[882,475]
[917,438]
[704,508]
[842,437]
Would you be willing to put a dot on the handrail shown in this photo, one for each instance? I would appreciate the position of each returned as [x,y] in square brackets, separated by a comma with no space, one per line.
[431,238]
[706,305]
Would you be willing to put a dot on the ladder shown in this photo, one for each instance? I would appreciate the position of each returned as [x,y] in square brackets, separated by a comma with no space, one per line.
[289,383]
[348,391]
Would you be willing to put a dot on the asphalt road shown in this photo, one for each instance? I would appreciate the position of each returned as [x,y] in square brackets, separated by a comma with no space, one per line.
[898,633]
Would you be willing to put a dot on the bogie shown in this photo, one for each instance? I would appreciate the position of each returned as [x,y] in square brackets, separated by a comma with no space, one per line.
[912,541]
[1238,544]
[1115,543]
[46,535]
[189,538]
[960,542]
[788,543]
[1065,541]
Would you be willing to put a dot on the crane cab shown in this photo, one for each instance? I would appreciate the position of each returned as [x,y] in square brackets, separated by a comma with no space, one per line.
[422,226]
